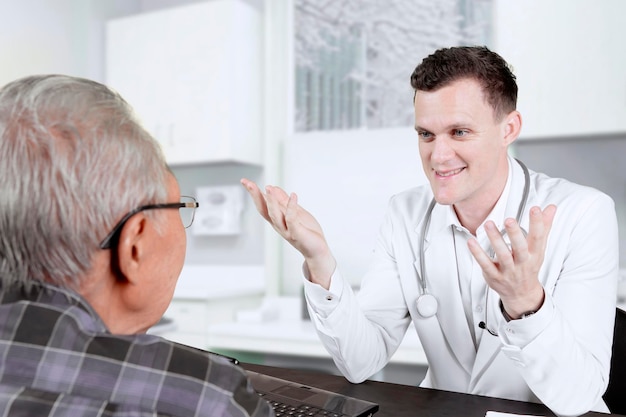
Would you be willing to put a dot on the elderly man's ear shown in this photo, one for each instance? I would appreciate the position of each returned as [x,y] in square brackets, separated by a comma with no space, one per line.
[115,287]
[133,247]
[134,255]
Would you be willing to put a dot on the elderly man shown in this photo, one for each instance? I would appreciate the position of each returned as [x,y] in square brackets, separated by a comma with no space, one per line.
[92,240]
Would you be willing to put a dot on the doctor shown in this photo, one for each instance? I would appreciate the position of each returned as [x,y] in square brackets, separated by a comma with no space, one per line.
[510,296]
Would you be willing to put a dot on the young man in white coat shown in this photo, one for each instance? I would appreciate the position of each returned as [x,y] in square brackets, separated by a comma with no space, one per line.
[509,276]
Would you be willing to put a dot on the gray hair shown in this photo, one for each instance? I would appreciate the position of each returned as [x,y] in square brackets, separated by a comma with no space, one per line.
[73,160]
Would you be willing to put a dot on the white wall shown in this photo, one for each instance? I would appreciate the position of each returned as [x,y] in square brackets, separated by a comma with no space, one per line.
[345,179]
[63,36]
[55,36]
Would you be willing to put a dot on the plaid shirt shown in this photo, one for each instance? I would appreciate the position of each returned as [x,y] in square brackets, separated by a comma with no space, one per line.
[57,358]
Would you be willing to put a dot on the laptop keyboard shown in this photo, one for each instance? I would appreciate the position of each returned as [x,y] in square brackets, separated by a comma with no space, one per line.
[300,410]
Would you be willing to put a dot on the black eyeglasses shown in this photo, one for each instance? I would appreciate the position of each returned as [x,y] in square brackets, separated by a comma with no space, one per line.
[187,209]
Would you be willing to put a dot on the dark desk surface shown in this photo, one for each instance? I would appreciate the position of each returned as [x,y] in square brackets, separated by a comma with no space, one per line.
[404,400]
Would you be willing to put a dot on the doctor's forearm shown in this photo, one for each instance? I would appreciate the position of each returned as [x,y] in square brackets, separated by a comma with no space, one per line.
[319,269]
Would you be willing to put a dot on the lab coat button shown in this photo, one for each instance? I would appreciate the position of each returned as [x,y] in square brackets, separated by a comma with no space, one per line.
[329,297]
[479,309]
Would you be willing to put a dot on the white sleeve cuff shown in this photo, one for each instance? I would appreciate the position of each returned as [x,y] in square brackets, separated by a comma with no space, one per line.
[521,332]
[320,300]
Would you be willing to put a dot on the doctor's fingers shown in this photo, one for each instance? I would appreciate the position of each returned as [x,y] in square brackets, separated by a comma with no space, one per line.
[291,216]
[299,220]
[540,225]
[287,216]
[298,227]
[501,248]
[276,200]
[517,237]
[257,197]
[291,211]
[502,275]
[487,265]
[302,231]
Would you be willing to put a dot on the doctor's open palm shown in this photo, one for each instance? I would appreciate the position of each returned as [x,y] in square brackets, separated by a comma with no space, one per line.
[297,226]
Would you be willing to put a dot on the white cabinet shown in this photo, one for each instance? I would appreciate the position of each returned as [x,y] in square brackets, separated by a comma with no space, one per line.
[193,75]
[570,60]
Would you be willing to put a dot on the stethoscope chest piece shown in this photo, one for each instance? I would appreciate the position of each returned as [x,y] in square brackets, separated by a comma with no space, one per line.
[426,305]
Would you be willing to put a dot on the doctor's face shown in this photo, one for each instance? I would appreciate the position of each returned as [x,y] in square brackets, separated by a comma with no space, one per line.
[462,147]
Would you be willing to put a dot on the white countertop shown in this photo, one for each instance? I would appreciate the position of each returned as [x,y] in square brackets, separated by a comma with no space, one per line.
[285,333]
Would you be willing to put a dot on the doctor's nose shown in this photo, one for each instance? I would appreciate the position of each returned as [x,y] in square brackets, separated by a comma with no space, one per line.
[442,150]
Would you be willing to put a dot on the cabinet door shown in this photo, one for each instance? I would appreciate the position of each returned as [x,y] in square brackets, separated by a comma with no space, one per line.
[569,61]
[137,67]
[193,75]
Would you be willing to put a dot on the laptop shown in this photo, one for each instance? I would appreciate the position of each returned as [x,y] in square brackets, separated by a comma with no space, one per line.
[290,398]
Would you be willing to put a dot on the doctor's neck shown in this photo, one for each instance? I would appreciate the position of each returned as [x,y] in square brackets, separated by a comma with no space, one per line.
[473,209]
[472,214]
[472,220]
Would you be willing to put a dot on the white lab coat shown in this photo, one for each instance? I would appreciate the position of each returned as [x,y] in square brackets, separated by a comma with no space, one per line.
[559,356]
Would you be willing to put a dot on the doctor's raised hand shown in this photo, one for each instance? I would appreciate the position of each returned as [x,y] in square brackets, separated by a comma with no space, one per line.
[514,271]
[297,226]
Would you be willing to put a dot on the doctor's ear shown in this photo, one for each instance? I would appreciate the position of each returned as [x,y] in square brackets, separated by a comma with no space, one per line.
[512,125]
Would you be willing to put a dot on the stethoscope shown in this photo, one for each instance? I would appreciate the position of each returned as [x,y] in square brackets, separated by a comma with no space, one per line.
[427,303]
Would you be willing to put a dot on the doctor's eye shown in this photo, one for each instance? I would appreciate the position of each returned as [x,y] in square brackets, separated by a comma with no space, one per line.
[424,135]
[459,133]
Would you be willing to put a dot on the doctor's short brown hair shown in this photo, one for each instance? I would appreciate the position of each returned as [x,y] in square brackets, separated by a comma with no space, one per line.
[447,65]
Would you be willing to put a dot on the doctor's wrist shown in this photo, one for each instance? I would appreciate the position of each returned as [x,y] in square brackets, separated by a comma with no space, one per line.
[521,313]
[320,271]
[507,317]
